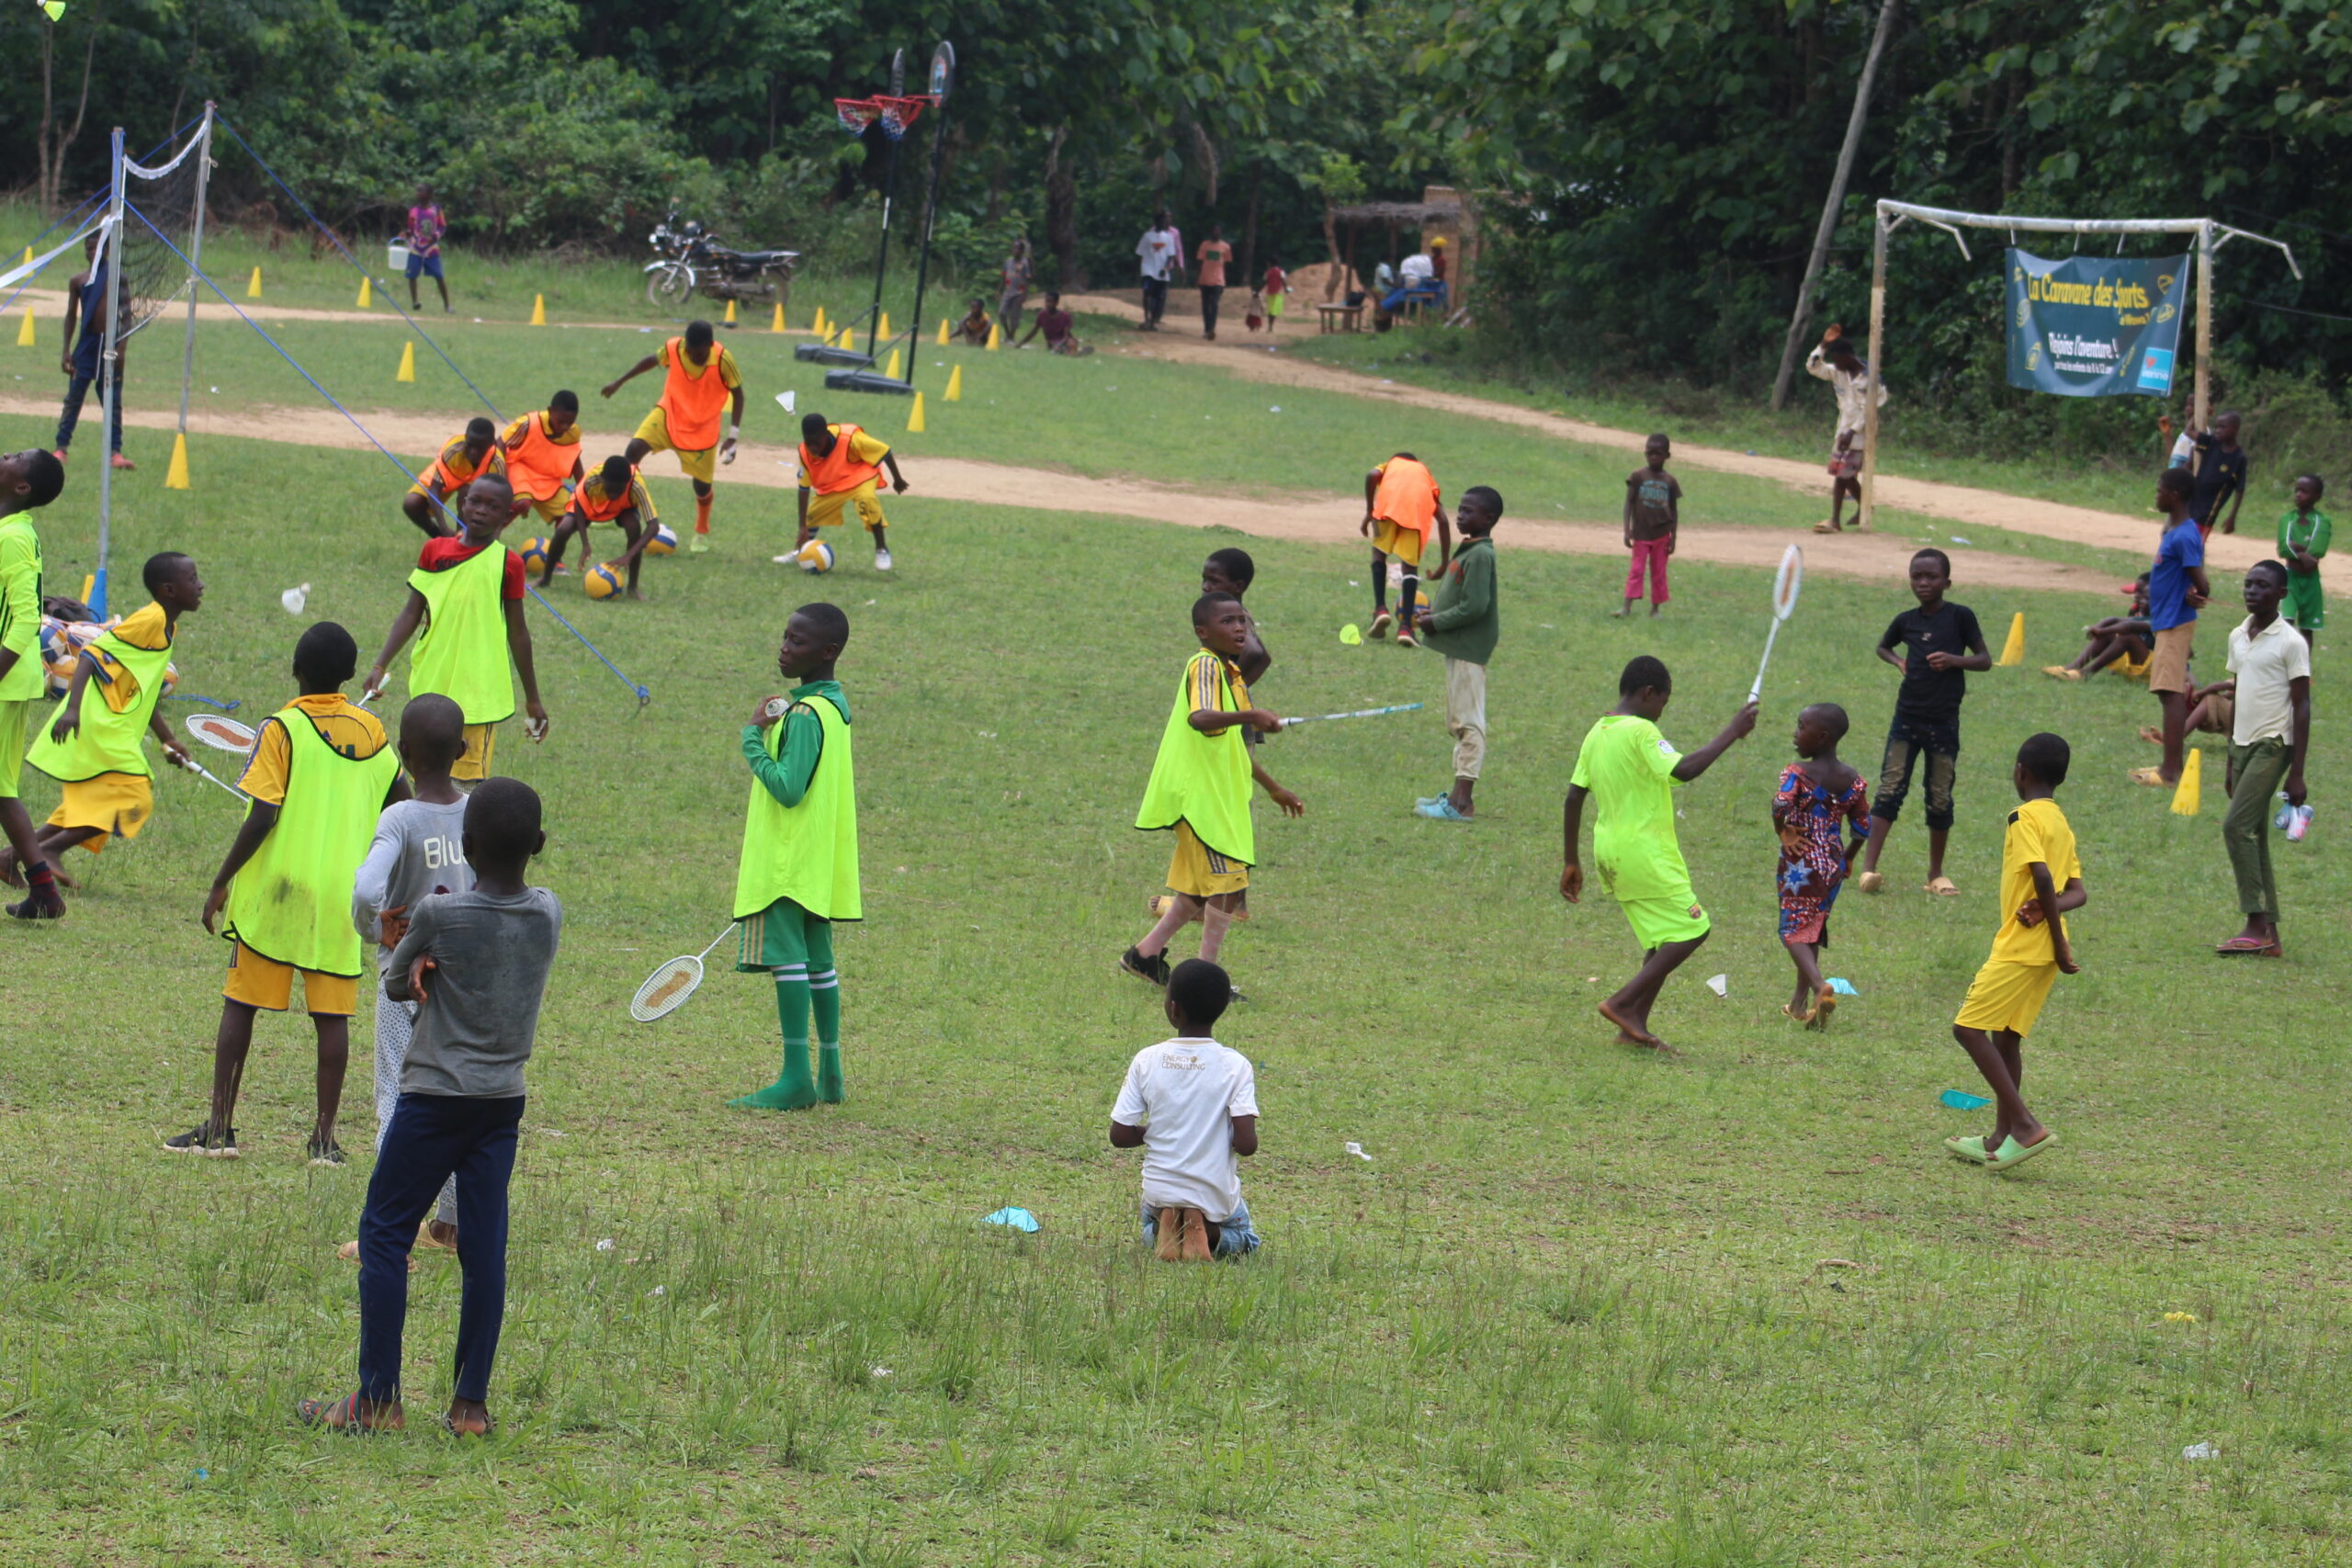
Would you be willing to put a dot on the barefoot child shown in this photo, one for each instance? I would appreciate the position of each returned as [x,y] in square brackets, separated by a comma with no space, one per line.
[798,871]
[2124,637]
[28,480]
[418,850]
[1200,786]
[2303,536]
[476,965]
[321,773]
[1934,646]
[1653,519]
[1629,769]
[1463,623]
[841,467]
[466,593]
[1818,796]
[1401,504]
[612,495]
[2041,880]
[92,748]
[432,501]
[1192,1106]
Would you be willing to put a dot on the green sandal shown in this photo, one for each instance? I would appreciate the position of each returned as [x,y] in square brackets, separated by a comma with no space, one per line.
[1971,1148]
[2012,1153]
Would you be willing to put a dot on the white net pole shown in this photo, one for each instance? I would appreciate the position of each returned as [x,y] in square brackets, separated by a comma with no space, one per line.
[196,260]
[110,270]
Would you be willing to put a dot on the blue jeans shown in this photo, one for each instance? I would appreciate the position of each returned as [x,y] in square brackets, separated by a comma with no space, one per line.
[76,391]
[433,1137]
[1426,294]
[1235,1233]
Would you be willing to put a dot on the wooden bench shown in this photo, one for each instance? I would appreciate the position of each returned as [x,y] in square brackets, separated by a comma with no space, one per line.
[1339,317]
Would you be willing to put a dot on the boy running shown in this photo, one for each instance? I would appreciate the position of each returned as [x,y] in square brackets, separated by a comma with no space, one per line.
[28,481]
[321,772]
[2270,735]
[615,494]
[466,592]
[1464,623]
[94,751]
[542,457]
[1401,504]
[431,500]
[476,965]
[2041,880]
[1934,645]
[2303,534]
[1819,795]
[699,378]
[1192,1106]
[1630,770]
[841,465]
[799,870]
[1200,786]
[2177,586]
[1653,519]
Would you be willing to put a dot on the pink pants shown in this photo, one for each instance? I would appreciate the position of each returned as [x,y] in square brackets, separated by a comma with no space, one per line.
[1651,552]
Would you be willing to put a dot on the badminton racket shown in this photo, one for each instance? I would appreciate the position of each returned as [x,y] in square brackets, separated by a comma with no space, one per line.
[1360,713]
[220,733]
[193,766]
[1785,583]
[666,990]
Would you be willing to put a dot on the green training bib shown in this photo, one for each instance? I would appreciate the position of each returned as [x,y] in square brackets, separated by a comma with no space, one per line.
[462,653]
[1203,779]
[292,901]
[806,853]
[108,741]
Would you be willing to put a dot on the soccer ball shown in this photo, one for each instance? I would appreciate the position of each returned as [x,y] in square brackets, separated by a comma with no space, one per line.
[534,553]
[816,556]
[664,541]
[602,581]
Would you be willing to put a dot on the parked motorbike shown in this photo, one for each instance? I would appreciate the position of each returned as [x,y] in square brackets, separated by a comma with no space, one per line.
[693,261]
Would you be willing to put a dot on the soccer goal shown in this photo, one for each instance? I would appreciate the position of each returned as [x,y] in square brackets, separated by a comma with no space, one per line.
[2156,380]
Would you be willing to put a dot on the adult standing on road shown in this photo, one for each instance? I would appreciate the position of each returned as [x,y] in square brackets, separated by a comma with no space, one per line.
[427,224]
[1012,288]
[1161,259]
[1215,253]
[85,297]
[1834,360]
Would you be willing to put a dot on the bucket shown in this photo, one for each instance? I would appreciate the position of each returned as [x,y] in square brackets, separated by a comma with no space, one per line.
[396,256]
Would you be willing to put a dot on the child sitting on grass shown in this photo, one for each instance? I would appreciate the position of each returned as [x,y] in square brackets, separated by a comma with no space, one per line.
[2041,880]
[2124,637]
[1192,1106]
[476,965]
[1818,794]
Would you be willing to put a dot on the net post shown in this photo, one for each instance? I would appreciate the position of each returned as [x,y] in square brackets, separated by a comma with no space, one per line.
[196,259]
[890,194]
[2203,415]
[943,82]
[1878,352]
[110,384]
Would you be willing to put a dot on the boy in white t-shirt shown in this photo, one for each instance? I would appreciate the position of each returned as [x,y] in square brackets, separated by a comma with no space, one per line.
[1192,1106]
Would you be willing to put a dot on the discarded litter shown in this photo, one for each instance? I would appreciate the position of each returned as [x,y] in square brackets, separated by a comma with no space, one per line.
[606,1244]
[1012,1219]
[1843,988]
[2180,1318]
[1349,636]
[1719,984]
[1276,409]
[879,1371]
[785,400]
[295,598]
[2201,1450]
[1956,539]
[1357,1150]
[1960,1099]
[659,1291]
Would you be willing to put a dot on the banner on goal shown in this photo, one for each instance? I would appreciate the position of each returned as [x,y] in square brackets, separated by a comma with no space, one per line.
[2095,326]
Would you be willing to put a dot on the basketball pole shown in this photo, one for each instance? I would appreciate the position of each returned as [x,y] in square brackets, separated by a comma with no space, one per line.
[943,81]
[110,380]
[889,195]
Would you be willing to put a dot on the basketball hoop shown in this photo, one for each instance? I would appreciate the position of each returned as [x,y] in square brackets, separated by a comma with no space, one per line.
[898,114]
[856,114]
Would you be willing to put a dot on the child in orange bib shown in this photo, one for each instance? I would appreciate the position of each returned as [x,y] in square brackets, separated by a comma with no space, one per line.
[699,380]
[542,452]
[841,467]
[1401,503]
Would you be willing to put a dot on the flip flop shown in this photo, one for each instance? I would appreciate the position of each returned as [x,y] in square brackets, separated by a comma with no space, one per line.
[1823,527]
[1970,1148]
[1823,1006]
[2059,671]
[456,1431]
[341,1415]
[2247,947]
[2152,735]
[2013,1154]
[2151,777]
[1790,1008]
[1942,887]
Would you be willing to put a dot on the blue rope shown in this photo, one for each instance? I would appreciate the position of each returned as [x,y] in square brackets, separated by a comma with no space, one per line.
[643,695]
[95,196]
[336,240]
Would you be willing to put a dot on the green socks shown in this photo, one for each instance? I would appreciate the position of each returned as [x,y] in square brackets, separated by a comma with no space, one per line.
[825,1002]
[793,1089]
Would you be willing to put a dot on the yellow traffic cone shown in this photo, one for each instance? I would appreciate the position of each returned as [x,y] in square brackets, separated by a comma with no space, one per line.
[942,332]
[2013,650]
[24,338]
[892,370]
[407,372]
[955,393]
[882,328]
[2190,794]
[252,290]
[818,326]
[176,478]
[914,420]
[730,313]
[538,310]
[366,292]
[849,339]
[29,255]
[995,337]
[776,324]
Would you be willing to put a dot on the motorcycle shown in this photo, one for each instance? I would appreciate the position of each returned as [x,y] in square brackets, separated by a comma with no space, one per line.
[693,261]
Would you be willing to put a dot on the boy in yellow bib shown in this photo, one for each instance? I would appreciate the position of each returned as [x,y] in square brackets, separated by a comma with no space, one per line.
[612,495]
[542,455]
[798,871]
[432,501]
[1401,504]
[842,466]
[94,749]
[1200,786]
[699,379]
[28,480]
[466,593]
[321,772]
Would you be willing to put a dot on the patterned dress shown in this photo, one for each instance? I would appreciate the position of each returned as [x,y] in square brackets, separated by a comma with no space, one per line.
[1808,814]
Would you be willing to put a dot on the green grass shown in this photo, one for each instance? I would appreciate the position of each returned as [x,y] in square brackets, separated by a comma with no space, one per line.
[1575,1311]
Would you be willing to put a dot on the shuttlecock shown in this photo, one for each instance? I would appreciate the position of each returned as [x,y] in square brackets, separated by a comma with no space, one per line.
[1357,1150]
[1719,984]
[295,598]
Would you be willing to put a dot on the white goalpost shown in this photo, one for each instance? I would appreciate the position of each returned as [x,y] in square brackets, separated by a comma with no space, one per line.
[2210,236]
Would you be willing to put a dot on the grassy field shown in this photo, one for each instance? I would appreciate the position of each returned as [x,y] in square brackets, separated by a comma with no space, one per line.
[1581,1306]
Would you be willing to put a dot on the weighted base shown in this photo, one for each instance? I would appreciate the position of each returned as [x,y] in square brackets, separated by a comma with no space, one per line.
[865,381]
[825,354]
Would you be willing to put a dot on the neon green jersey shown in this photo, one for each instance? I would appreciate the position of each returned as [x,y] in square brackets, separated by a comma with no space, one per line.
[1628,768]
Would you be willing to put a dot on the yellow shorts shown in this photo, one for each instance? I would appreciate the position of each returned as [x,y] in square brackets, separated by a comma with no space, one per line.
[266,984]
[1656,921]
[1199,872]
[481,741]
[115,804]
[1406,544]
[654,431]
[2005,997]
[550,509]
[14,715]
[824,511]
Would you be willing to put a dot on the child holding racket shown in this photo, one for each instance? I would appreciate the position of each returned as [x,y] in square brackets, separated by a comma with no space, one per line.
[28,480]
[798,871]
[1629,770]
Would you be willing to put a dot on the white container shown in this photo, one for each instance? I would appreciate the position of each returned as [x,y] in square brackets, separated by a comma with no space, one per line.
[396,256]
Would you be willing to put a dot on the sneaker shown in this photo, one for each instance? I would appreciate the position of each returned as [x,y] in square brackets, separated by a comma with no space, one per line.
[322,1152]
[788,560]
[120,462]
[1405,637]
[200,1139]
[1154,969]
[1441,809]
[881,561]
[1380,624]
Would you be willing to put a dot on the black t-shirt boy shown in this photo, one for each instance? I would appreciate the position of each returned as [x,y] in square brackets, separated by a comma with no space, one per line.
[1928,696]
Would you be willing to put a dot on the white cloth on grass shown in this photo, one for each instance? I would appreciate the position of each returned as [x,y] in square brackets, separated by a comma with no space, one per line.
[1184,1094]
[2264,662]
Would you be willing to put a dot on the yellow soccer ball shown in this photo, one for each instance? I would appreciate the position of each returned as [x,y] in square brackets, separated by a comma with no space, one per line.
[815,557]
[664,541]
[602,581]
[534,553]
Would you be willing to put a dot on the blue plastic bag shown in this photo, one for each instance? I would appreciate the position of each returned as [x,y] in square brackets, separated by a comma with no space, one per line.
[1960,1099]
[1014,1219]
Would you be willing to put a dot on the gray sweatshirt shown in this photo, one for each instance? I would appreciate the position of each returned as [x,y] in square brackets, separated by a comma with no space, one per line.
[480,1013]
[418,850]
